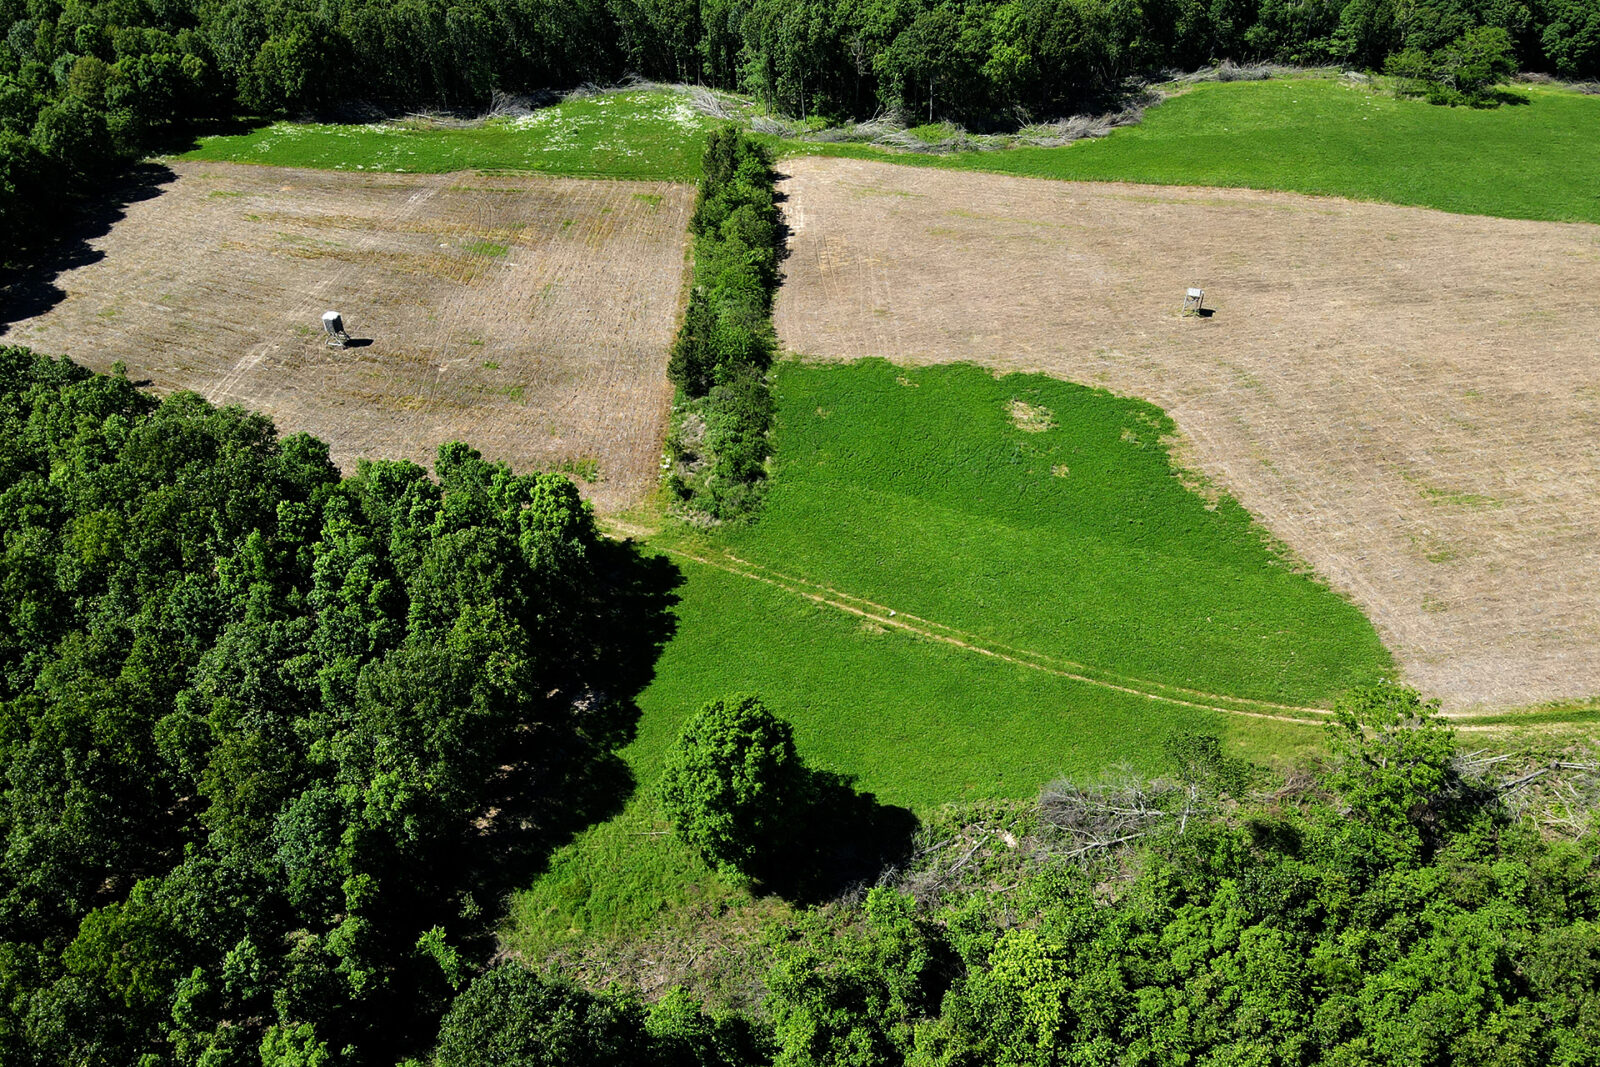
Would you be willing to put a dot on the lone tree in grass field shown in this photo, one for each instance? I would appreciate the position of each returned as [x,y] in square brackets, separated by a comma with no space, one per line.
[732,782]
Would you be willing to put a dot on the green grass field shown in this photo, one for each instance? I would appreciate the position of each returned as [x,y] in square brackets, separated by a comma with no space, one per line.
[1069,535]
[1302,134]
[1320,135]
[917,491]
[643,135]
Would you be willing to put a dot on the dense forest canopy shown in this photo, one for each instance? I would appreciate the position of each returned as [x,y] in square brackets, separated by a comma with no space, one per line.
[266,732]
[88,84]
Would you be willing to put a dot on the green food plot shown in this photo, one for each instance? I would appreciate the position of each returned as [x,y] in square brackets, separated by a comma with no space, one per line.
[919,490]
[644,135]
[1535,160]
[1038,515]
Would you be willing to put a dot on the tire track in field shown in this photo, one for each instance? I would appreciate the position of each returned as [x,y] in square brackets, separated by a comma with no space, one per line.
[1048,661]
[882,616]
[1460,720]
[1150,690]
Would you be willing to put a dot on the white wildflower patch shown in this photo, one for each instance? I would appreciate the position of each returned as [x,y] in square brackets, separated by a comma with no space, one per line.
[680,114]
[537,119]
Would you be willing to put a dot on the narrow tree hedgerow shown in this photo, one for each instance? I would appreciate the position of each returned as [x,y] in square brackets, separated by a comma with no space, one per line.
[719,444]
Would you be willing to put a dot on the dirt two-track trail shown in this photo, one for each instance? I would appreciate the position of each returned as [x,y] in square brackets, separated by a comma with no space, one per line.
[1409,399]
[528,316]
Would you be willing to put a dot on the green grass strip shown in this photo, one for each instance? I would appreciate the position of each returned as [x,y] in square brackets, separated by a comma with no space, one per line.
[643,135]
[1303,134]
[1536,160]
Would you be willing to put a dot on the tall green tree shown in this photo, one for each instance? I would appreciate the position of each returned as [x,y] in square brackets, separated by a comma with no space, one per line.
[732,782]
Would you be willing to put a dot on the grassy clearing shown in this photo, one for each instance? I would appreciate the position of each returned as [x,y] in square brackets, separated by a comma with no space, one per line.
[1042,515]
[1302,134]
[645,135]
[1028,511]
[1319,135]
[921,723]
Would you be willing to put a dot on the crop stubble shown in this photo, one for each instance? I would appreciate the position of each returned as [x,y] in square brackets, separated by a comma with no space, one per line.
[528,316]
[1409,399]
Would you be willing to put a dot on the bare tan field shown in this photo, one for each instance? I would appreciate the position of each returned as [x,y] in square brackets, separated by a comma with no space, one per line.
[1409,399]
[528,316]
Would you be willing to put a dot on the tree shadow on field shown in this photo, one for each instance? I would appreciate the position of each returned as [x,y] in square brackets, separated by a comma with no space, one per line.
[30,288]
[1508,97]
[838,841]
[560,781]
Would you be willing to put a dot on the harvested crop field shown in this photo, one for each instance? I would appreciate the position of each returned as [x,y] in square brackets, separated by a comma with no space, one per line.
[1409,399]
[528,316]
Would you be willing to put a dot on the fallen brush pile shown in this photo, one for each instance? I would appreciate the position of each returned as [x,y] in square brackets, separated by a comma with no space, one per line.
[891,130]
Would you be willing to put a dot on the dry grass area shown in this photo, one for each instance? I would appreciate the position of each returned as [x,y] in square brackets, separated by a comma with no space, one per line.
[528,316]
[1409,399]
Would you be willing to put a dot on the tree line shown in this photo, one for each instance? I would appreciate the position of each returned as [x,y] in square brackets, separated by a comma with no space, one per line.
[86,85]
[1386,907]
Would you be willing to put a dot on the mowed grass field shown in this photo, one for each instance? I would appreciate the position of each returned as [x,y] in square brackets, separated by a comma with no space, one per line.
[528,315]
[1063,602]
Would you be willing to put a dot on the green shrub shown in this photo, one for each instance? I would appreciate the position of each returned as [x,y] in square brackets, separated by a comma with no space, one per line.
[1465,71]
[512,1017]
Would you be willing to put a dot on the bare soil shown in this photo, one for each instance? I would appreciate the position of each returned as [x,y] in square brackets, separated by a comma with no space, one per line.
[1409,399]
[527,316]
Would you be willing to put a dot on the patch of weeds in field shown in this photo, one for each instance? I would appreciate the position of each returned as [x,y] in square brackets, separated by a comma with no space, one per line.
[1030,417]
[645,134]
[1326,136]
[490,365]
[1435,494]
[586,468]
[1433,548]
[490,249]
